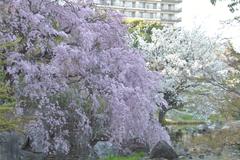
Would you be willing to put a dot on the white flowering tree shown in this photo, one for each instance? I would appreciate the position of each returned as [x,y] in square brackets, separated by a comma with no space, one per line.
[190,62]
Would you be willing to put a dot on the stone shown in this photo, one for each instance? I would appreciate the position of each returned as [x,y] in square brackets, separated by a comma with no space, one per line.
[26,155]
[201,156]
[2,101]
[11,144]
[204,129]
[9,149]
[104,149]
[163,150]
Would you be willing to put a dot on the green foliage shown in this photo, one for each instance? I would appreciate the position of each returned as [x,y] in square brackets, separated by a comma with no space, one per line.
[63,99]
[7,100]
[6,125]
[136,156]
[8,121]
[55,24]
[6,92]
[216,118]
[58,39]
[11,43]
[103,104]
[141,28]
[87,106]
[230,109]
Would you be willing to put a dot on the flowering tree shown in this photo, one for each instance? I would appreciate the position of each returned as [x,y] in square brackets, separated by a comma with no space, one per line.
[190,62]
[72,68]
[231,85]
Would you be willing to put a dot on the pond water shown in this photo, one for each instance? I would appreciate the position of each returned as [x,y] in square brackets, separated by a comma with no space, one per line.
[207,142]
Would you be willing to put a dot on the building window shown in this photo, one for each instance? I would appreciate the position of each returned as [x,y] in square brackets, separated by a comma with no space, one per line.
[155,6]
[133,4]
[164,16]
[151,6]
[128,4]
[145,15]
[142,4]
[151,15]
[133,14]
[162,6]
[147,6]
[170,7]
[141,14]
[123,3]
[170,16]
[113,2]
[103,2]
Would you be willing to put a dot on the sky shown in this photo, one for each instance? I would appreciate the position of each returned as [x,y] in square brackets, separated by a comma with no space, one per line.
[201,13]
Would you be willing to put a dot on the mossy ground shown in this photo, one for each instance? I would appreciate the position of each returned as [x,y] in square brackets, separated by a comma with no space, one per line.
[136,156]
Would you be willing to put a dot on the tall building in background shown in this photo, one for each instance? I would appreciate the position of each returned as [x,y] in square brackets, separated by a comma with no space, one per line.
[164,11]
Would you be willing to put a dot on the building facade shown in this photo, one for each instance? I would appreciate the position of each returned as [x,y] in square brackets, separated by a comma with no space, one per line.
[164,11]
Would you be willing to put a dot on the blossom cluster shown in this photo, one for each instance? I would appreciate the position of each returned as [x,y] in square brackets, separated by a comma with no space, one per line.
[73,65]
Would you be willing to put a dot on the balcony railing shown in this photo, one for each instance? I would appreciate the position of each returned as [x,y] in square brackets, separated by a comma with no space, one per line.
[171,10]
[172,1]
[154,19]
[128,7]
[140,8]
[171,20]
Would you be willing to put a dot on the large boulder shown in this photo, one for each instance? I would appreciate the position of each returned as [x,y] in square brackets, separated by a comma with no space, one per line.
[9,146]
[104,149]
[163,150]
[12,147]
